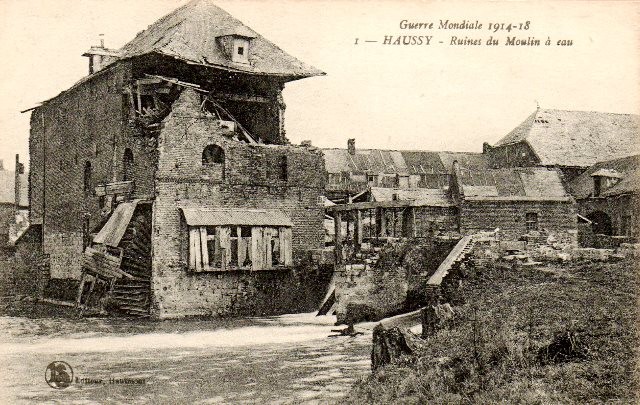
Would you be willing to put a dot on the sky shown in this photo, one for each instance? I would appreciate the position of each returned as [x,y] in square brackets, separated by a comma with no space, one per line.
[436,97]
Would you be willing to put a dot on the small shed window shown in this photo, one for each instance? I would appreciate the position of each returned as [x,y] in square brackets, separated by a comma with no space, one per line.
[240,50]
[212,155]
[531,219]
[87,177]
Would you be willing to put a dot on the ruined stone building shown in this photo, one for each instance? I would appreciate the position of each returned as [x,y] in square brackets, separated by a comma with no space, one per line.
[521,203]
[165,183]
[569,140]
[14,202]
[352,171]
[607,197]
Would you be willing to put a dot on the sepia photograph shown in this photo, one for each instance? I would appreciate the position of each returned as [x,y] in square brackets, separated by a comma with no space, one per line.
[319,202]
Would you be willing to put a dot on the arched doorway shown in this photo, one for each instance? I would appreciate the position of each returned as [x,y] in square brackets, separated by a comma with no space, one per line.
[601,223]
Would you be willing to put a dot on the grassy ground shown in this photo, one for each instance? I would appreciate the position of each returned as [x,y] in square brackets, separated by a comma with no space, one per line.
[548,334]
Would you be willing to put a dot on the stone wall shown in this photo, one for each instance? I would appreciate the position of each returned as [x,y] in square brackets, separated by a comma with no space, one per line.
[250,177]
[554,218]
[392,281]
[436,219]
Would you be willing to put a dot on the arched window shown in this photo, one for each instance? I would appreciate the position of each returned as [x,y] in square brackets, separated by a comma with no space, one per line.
[87,177]
[127,165]
[212,154]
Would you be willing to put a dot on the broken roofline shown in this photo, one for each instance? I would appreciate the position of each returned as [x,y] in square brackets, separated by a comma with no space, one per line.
[292,77]
[112,65]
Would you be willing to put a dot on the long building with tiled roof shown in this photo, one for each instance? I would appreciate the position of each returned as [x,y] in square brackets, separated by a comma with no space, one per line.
[351,171]
[570,140]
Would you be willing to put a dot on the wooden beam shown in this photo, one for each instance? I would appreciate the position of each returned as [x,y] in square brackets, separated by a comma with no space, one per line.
[358,229]
[118,187]
[379,204]
[337,222]
[408,222]
[381,222]
[241,97]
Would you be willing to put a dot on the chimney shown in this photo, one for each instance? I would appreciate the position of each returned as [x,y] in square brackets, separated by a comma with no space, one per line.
[100,57]
[351,146]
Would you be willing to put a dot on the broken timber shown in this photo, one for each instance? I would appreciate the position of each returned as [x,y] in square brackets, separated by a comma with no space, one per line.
[128,275]
[392,339]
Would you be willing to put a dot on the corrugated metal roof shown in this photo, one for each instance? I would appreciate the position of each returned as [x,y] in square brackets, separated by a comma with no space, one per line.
[232,216]
[113,231]
[577,138]
[189,33]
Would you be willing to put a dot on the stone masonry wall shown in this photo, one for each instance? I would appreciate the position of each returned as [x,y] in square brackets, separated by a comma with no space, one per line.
[87,124]
[554,218]
[249,178]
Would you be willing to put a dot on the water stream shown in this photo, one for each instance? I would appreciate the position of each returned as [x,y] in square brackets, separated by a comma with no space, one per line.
[285,359]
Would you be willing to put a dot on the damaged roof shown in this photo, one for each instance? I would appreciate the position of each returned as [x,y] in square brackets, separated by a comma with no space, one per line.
[190,33]
[577,138]
[582,186]
[374,161]
[516,183]
[8,188]
[630,184]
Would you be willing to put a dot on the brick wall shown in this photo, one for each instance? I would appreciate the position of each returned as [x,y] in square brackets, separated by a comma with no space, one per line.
[555,218]
[249,178]
[88,123]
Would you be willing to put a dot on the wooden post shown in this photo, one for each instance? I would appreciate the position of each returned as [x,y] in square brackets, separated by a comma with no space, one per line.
[80,288]
[408,222]
[337,222]
[395,222]
[358,229]
[381,222]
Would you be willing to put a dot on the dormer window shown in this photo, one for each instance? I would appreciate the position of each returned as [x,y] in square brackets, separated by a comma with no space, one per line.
[236,45]
[241,48]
